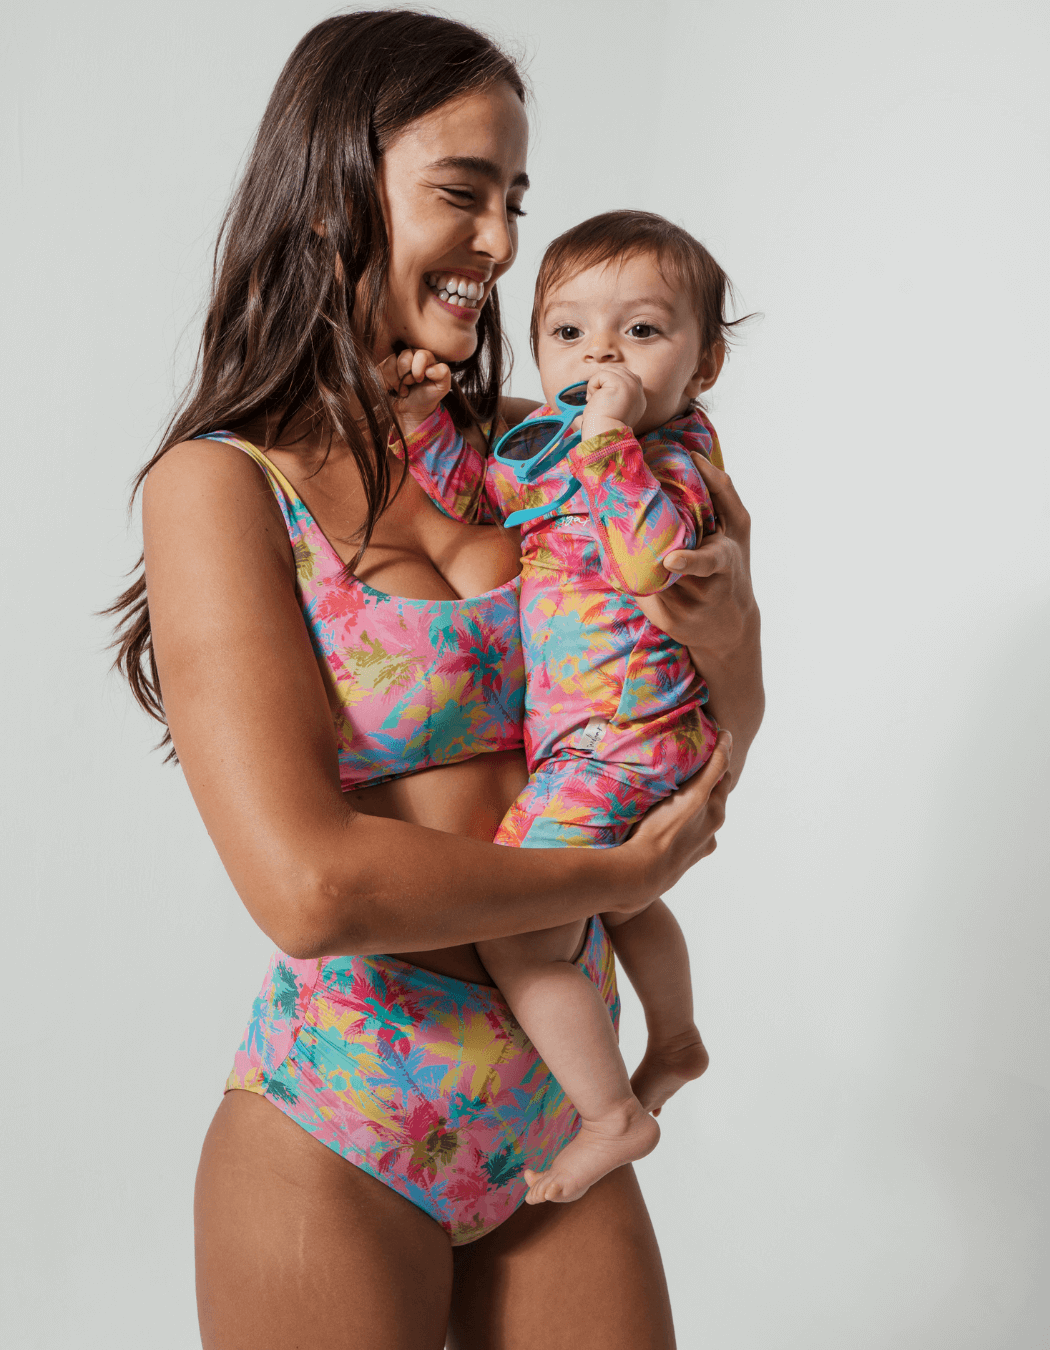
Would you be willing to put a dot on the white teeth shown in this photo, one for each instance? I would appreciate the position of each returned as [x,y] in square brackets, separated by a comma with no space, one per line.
[455,290]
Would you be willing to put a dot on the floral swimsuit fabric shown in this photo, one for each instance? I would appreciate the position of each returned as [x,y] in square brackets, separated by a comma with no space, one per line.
[614,717]
[425,1082]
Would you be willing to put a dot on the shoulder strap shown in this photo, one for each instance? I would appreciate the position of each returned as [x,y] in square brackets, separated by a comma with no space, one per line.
[287,498]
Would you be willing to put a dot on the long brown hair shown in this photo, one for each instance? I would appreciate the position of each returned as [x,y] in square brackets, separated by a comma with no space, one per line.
[300,267]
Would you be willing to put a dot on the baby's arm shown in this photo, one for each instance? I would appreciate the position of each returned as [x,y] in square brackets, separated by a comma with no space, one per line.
[444,462]
[644,501]
[652,949]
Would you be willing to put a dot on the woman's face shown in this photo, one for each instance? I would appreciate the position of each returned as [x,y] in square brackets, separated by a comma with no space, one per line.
[451,185]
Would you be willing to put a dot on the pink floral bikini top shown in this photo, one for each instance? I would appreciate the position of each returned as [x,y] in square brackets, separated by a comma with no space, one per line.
[412,683]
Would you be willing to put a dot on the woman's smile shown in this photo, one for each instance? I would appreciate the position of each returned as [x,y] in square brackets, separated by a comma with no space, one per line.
[458,292]
[451,186]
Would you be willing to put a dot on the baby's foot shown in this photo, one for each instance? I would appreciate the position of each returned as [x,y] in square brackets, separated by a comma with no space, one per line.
[600,1147]
[666,1066]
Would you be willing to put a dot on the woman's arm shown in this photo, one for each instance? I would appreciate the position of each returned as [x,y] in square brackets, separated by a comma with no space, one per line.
[712,611]
[254,732]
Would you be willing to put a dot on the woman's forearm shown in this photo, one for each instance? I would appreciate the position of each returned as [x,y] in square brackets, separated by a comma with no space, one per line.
[737,696]
[383,885]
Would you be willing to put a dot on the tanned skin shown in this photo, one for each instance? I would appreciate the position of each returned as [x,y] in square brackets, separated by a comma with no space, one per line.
[295,1246]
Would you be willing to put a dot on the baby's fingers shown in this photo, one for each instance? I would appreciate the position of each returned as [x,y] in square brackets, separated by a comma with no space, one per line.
[421,359]
[439,373]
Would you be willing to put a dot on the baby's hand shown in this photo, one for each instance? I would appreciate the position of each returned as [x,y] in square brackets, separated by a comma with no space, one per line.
[417,383]
[615,399]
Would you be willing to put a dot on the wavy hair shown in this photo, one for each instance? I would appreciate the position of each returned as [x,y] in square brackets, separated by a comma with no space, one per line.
[300,267]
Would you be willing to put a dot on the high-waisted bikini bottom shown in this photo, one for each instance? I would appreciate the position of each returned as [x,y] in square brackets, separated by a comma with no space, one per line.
[423,1081]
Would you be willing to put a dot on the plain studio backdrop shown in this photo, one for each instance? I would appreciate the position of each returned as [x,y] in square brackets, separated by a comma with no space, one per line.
[865,1164]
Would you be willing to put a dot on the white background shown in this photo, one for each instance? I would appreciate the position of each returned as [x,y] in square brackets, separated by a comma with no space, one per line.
[865,1165]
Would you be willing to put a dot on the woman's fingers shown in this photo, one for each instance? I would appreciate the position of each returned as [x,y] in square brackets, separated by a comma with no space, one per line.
[692,799]
[702,785]
[713,555]
[729,509]
[680,830]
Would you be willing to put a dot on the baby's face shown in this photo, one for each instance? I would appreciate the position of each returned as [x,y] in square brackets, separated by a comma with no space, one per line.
[624,312]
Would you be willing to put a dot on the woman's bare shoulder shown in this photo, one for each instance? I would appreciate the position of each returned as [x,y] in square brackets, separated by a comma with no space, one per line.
[205,488]
[200,464]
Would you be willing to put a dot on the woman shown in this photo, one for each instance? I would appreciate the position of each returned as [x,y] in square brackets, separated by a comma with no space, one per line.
[390,161]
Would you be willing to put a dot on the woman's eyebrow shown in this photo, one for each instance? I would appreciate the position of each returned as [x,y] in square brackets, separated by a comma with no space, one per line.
[487,168]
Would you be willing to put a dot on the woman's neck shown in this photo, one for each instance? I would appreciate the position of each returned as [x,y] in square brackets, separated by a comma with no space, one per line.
[304,435]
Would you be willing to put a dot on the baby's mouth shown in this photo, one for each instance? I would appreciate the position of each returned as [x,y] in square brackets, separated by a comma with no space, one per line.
[455,290]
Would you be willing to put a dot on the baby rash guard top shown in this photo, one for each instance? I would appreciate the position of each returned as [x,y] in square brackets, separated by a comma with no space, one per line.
[411,683]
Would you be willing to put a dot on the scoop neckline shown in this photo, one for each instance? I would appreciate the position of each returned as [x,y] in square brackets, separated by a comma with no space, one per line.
[330,547]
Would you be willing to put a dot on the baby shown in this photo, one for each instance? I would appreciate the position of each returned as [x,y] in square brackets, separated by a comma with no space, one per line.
[635,307]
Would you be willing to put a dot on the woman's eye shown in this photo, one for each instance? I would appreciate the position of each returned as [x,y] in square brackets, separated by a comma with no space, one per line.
[514,209]
[641,330]
[567,332]
[464,194]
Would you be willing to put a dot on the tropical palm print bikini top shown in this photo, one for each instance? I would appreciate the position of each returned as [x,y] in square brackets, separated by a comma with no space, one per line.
[411,683]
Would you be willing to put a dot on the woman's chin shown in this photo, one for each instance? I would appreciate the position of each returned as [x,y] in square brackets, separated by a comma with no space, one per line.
[449,346]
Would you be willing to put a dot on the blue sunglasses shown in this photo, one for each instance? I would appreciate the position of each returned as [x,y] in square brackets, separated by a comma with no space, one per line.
[533,447]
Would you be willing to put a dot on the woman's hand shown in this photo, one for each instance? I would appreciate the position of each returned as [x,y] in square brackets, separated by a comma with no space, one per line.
[711,607]
[680,830]
[712,611]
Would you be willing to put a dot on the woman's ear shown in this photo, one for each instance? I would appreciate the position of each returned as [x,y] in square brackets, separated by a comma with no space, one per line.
[707,371]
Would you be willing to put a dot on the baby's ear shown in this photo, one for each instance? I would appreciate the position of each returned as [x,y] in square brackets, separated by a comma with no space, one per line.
[707,371]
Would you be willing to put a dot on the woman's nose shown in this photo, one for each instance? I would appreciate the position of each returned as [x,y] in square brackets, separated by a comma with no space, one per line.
[495,236]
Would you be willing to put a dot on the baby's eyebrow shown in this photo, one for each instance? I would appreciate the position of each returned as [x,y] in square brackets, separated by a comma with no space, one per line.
[641,302]
[648,302]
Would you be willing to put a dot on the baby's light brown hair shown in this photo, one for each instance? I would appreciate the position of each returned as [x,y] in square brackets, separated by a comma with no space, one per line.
[622,234]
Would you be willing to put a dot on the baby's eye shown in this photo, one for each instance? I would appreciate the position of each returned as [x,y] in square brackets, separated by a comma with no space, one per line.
[641,330]
[568,332]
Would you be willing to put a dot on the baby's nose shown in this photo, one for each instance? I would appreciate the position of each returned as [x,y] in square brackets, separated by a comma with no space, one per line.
[603,349]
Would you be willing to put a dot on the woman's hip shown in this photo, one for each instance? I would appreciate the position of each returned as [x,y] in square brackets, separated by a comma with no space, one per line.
[424,1081]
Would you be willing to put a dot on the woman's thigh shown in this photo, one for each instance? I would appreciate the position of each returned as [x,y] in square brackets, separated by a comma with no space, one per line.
[296,1246]
[585,1276]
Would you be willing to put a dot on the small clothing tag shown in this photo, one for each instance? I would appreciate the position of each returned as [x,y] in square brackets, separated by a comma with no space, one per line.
[592,734]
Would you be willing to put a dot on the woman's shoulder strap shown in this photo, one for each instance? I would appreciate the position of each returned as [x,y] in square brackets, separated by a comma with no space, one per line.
[287,498]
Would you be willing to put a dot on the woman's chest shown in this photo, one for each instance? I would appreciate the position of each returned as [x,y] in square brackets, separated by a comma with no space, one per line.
[414,551]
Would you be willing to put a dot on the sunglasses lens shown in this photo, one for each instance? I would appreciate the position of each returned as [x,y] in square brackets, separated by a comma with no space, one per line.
[575,396]
[527,441]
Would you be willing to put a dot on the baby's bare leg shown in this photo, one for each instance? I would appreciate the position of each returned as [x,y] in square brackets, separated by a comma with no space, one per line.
[565,1017]
[652,950]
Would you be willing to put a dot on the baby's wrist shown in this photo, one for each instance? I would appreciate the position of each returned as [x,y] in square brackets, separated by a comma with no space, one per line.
[412,419]
[598,423]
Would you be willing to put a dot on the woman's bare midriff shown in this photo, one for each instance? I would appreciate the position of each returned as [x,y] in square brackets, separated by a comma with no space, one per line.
[469,798]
